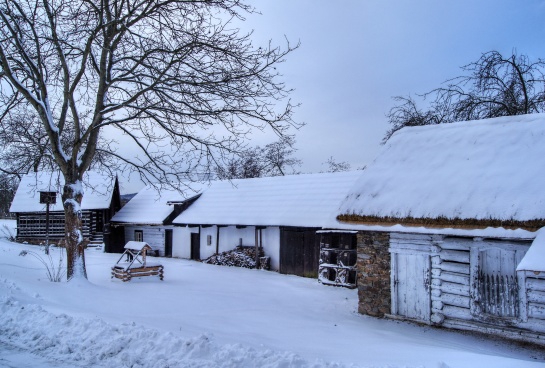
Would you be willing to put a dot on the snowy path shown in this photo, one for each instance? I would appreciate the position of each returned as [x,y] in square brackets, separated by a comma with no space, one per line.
[210,316]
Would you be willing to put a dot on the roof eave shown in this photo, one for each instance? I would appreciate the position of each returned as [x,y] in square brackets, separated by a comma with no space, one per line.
[442,222]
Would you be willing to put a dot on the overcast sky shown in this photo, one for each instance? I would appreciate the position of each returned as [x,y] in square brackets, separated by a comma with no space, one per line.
[355,55]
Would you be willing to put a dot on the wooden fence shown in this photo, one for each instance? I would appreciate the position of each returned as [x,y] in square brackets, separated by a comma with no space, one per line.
[499,295]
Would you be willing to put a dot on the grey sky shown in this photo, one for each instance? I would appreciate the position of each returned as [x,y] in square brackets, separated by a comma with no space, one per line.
[356,55]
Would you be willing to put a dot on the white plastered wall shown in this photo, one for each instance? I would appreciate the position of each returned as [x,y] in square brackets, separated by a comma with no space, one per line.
[230,237]
[181,241]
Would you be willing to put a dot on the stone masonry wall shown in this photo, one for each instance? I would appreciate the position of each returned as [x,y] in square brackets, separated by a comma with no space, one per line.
[373,267]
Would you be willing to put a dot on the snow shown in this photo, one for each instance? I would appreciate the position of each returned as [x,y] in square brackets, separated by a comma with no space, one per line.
[150,206]
[135,245]
[307,200]
[534,259]
[8,228]
[470,170]
[212,316]
[98,191]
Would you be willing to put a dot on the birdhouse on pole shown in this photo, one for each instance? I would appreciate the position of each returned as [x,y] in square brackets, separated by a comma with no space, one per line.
[47,198]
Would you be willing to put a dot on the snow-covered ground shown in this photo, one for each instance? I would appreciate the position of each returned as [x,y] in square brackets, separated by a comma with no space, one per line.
[211,316]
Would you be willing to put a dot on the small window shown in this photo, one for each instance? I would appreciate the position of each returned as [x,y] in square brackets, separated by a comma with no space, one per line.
[138,235]
[209,240]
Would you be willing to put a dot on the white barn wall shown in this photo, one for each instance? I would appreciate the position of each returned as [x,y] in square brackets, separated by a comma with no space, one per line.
[208,250]
[230,237]
[181,241]
[271,246]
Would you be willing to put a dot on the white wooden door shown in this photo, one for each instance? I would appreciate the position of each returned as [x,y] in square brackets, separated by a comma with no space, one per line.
[411,286]
[497,291]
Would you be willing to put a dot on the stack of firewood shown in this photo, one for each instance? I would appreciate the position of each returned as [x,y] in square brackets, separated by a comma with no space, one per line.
[238,257]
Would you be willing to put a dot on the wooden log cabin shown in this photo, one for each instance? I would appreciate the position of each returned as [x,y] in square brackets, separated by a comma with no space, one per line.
[446,219]
[101,200]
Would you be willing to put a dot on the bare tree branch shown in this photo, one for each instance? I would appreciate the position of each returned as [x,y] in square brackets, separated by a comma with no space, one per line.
[175,79]
[493,86]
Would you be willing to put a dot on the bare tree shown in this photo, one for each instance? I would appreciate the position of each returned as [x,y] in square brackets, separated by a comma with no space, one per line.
[245,165]
[24,145]
[273,160]
[335,166]
[407,113]
[174,77]
[8,186]
[278,157]
[492,86]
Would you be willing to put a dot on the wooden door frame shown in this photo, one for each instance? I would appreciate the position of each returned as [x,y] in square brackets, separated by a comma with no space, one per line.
[168,239]
[196,236]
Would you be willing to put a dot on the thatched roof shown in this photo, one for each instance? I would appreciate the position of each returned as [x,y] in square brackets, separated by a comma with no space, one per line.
[468,174]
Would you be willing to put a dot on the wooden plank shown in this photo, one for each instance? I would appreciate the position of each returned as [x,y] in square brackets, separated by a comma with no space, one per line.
[145,269]
[413,299]
[292,250]
[311,254]
[459,268]
[453,299]
[403,238]
[456,245]
[536,310]
[455,312]
[452,288]
[142,274]
[535,284]
[454,256]
[394,283]
[450,277]
[536,297]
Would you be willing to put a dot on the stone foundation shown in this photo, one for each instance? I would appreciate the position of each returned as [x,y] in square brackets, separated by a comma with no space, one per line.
[373,267]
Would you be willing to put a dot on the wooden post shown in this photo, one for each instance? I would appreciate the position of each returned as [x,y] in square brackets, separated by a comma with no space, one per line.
[47,228]
[48,198]
[256,248]
[217,239]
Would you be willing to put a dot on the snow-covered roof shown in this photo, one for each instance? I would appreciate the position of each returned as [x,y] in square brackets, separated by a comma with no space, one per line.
[136,245]
[534,259]
[97,188]
[307,200]
[488,169]
[150,206]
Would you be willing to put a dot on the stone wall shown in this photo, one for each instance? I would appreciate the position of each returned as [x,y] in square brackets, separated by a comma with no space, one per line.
[373,269]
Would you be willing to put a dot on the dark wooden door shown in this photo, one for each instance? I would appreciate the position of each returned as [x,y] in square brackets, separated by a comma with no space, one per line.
[168,243]
[99,221]
[299,252]
[196,246]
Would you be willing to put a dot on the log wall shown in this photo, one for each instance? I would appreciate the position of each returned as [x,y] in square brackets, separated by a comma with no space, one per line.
[153,235]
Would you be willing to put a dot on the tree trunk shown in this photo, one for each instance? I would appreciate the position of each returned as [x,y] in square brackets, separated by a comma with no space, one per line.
[75,256]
